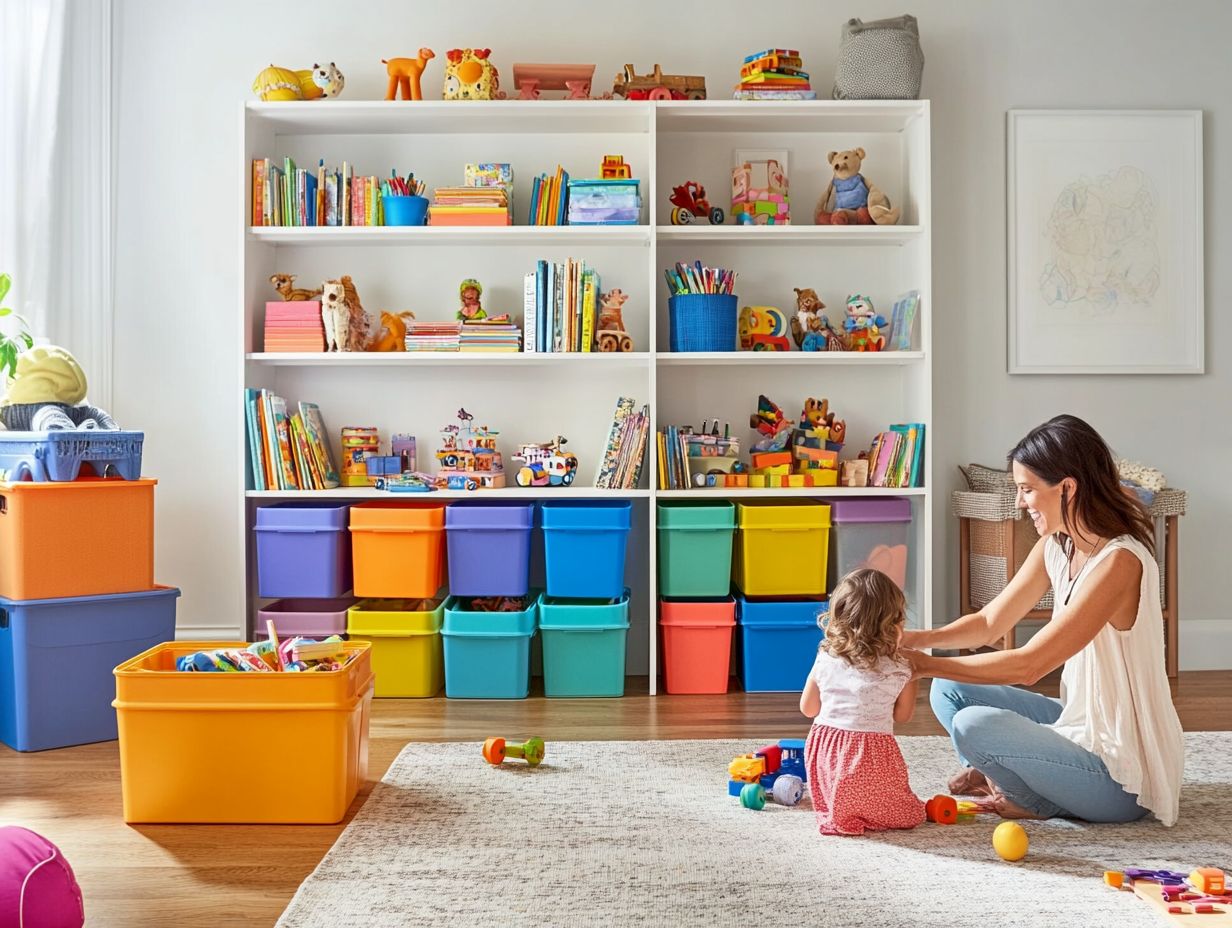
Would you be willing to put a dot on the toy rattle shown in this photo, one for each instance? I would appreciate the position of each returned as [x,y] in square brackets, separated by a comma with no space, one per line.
[495,750]
[787,791]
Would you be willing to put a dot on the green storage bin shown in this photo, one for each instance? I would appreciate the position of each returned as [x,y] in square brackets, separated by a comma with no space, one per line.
[695,547]
[584,645]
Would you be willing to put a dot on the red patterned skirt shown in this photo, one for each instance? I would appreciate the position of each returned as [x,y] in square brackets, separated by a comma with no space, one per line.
[858,780]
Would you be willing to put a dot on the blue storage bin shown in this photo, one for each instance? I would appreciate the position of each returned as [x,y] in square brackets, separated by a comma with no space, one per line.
[702,322]
[778,642]
[584,547]
[58,456]
[487,654]
[489,547]
[303,550]
[584,645]
[57,657]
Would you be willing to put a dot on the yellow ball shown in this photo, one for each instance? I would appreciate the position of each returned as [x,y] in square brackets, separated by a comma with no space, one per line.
[1010,841]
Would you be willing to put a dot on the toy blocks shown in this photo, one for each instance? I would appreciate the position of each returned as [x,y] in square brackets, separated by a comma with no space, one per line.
[775,771]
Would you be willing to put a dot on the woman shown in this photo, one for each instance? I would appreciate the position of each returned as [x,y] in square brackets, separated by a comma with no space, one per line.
[1111,749]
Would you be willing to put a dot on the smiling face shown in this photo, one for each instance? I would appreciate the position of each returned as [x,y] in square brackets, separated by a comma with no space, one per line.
[1041,500]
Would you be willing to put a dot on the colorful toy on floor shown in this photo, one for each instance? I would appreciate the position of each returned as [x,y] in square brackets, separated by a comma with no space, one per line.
[37,886]
[941,810]
[658,86]
[759,193]
[763,328]
[532,750]
[776,771]
[1010,841]
[470,75]
[1205,891]
[545,465]
[863,325]
[405,74]
[849,199]
[689,202]
[276,84]
[468,454]
[530,80]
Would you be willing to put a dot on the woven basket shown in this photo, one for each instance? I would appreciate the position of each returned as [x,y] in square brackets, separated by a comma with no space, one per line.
[990,504]
[702,321]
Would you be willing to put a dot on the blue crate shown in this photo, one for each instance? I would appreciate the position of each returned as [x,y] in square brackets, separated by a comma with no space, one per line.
[778,642]
[58,456]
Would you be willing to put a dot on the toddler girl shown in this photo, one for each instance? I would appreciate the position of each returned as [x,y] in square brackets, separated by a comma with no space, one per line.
[858,688]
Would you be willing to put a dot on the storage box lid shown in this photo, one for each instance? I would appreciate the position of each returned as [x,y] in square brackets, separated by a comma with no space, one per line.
[95,620]
[581,614]
[396,618]
[773,612]
[80,485]
[497,514]
[698,613]
[307,516]
[876,509]
[791,514]
[489,624]
[696,515]
[398,516]
[588,514]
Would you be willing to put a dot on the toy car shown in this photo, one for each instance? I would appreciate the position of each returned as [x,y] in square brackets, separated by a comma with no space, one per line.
[689,202]
[658,86]
[546,465]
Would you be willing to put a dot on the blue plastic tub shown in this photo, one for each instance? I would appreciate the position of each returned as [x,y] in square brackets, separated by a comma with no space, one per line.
[778,642]
[58,456]
[489,547]
[56,659]
[487,654]
[303,550]
[584,547]
[702,322]
[584,645]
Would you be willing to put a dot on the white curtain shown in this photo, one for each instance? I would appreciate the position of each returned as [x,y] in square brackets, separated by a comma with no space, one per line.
[56,171]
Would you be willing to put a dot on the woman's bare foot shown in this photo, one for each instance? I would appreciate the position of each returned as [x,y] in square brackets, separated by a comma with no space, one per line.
[969,782]
[996,801]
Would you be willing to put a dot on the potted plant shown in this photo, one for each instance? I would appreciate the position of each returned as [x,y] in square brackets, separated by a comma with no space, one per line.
[14,332]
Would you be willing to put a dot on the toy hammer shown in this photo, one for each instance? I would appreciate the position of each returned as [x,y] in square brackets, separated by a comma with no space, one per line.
[495,750]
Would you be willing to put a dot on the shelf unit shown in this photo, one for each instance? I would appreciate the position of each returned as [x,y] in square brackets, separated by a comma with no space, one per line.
[532,397]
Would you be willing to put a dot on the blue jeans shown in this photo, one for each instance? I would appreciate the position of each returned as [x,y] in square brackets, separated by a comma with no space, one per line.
[1003,732]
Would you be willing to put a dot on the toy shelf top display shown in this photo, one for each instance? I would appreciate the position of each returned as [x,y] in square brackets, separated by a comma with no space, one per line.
[468,455]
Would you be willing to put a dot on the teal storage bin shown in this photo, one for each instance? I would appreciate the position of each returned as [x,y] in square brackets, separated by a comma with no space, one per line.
[487,654]
[695,547]
[584,645]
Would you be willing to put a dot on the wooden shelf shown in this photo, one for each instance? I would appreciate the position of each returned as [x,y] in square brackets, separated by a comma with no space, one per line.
[455,236]
[363,493]
[787,358]
[790,235]
[412,359]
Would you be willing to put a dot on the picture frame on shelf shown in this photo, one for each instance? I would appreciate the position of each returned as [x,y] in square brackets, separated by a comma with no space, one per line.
[1104,242]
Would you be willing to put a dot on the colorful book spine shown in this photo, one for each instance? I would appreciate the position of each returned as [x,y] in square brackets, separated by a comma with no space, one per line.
[529,301]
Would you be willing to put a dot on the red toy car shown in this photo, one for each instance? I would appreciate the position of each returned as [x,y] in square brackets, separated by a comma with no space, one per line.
[689,202]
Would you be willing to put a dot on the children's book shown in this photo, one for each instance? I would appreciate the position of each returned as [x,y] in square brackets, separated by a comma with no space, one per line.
[611,453]
[884,448]
[902,321]
[256,467]
[315,427]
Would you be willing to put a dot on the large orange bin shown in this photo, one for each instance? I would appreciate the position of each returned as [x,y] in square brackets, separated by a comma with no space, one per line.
[398,549]
[86,537]
[277,748]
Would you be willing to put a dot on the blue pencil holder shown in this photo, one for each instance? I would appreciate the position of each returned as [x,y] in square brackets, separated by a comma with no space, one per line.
[702,321]
[405,211]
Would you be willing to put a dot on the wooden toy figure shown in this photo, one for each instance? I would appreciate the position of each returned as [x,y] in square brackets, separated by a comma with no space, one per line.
[611,335]
[404,75]
[470,290]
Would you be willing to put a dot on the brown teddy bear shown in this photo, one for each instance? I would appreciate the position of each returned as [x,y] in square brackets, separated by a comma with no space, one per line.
[849,199]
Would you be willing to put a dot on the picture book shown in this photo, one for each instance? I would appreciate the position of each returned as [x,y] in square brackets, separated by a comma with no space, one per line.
[315,427]
[902,321]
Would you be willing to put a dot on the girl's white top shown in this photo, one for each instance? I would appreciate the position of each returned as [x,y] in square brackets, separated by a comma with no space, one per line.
[1114,692]
[856,699]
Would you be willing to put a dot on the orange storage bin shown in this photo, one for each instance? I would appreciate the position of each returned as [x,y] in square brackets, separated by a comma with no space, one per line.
[398,549]
[276,748]
[697,638]
[86,537]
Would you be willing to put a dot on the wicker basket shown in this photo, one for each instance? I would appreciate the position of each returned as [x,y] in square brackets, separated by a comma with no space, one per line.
[990,507]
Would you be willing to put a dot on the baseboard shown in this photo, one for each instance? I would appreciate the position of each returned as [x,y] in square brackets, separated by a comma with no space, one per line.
[1206,644]
[209,633]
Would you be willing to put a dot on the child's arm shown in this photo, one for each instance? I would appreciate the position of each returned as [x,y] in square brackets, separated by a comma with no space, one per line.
[810,697]
[904,705]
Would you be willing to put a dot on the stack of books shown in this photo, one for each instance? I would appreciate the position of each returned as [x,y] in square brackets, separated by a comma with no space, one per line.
[560,306]
[896,458]
[469,206]
[294,325]
[774,74]
[492,174]
[604,202]
[495,333]
[621,466]
[433,336]
[548,196]
[286,452]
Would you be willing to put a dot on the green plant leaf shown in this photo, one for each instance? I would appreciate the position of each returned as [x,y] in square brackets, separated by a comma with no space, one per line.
[5,311]
[28,339]
[5,283]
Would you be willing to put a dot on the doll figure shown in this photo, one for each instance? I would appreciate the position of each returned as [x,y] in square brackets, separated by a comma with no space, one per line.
[863,325]
[470,291]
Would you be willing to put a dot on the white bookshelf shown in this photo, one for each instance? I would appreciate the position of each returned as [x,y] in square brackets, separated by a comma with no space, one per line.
[533,397]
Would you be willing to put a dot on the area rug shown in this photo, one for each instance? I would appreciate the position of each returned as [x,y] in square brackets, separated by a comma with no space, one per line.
[643,833]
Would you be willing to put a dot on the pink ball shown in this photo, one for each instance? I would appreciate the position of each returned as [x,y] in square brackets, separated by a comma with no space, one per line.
[37,886]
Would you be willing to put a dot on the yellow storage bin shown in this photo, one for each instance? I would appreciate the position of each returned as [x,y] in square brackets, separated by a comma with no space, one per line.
[781,548]
[405,636]
[254,748]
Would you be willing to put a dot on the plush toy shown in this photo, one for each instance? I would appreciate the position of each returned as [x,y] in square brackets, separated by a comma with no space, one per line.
[863,325]
[469,75]
[285,285]
[392,336]
[48,392]
[849,199]
[37,885]
[404,75]
[812,330]
[276,83]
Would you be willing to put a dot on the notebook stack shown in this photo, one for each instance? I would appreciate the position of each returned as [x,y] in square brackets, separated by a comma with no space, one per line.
[604,202]
[774,74]
[469,206]
[433,336]
[496,333]
[294,325]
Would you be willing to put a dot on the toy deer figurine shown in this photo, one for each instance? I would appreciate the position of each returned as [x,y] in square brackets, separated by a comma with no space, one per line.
[611,334]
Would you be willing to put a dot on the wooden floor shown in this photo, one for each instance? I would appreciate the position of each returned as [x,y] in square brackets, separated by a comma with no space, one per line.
[221,876]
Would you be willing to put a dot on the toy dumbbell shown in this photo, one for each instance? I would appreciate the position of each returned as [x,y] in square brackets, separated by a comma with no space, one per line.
[941,809]
[495,750]
[786,791]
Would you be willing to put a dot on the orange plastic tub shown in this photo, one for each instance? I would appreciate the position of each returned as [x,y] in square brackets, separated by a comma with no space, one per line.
[697,639]
[276,748]
[398,549]
[87,537]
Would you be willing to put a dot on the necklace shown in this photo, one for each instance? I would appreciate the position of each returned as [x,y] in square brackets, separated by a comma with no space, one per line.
[1074,582]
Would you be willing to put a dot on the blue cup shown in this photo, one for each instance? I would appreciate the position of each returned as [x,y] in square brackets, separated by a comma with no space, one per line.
[405,211]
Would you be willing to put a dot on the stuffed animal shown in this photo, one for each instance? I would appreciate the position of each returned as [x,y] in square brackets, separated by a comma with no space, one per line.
[863,325]
[849,199]
[469,75]
[808,309]
[404,75]
[276,83]
[348,327]
[392,336]
[48,392]
[285,285]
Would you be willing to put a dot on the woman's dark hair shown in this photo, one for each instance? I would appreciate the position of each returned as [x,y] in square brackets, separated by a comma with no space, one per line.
[1066,446]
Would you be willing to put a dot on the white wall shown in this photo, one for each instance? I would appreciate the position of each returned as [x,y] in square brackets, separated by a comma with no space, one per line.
[184,68]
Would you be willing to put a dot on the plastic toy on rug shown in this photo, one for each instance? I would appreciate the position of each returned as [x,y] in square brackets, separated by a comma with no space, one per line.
[405,74]
[545,465]
[689,202]
[470,75]
[763,328]
[863,325]
[610,334]
[530,80]
[759,192]
[468,454]
[849,199]
[1176,896]
[317,82]
[658,86]
[496,750]
[776,771]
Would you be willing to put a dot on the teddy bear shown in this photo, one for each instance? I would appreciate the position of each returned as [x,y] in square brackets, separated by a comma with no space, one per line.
[849,199]
[47,392]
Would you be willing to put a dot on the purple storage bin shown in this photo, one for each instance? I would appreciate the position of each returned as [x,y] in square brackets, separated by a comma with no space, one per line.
[489,547]
[874,532]
[303,550]
[310,618]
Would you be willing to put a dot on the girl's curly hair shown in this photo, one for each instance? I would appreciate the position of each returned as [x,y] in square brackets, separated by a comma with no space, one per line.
[867,609]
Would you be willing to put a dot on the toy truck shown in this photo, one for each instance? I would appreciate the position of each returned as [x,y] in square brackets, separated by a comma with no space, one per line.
[658,86]
[546,465]
[776,771]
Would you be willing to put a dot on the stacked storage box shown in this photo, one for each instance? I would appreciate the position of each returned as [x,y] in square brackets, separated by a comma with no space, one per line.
[77,597]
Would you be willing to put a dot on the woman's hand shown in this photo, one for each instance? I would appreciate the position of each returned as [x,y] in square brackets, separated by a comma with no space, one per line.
[921,663]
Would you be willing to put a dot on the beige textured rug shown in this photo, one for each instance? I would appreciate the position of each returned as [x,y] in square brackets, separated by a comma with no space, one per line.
[643,833]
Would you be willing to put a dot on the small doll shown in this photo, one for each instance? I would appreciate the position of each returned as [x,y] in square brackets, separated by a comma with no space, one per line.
[470,290]
[863,325]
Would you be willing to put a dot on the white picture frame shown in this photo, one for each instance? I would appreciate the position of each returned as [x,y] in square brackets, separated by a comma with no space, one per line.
[1104,242]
